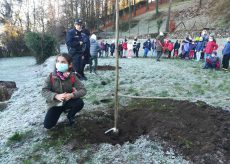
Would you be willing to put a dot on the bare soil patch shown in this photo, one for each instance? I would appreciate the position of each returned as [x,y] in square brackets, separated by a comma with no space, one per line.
[199,132]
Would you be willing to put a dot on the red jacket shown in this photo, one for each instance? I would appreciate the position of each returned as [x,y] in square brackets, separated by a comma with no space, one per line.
[170,46]
[210,47]
[124,45]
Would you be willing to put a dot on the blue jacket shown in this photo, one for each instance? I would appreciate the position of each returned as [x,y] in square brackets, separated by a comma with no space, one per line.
[226,50]
[200,46]
[147,44]
[94,47]
[73,39]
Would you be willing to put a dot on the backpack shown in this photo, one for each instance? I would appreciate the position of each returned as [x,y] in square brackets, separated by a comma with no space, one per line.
[72,78]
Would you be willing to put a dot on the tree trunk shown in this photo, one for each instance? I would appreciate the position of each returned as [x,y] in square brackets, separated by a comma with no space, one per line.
[200,3]
[157,7]
[134,7]
[168,18]
[130,16]
[147,5]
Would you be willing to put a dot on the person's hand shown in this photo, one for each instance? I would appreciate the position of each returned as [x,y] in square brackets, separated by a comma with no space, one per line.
[68,96]
[60,97]
[81,42]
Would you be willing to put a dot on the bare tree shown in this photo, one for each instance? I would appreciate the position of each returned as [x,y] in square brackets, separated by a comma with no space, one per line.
[168,18]
[5,11]
[157,7]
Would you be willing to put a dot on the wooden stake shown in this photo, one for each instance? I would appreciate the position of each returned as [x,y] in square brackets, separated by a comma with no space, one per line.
[117,67]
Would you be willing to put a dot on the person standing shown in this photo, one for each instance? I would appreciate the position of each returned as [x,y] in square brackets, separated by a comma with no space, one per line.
[159,45]
[210,47]
[153,46]
[125,48]
[76,45]
[226,55]
[135,46]
[106,49]
[199,48]
[147,47]
[94,47]
[112,48]
[176,49]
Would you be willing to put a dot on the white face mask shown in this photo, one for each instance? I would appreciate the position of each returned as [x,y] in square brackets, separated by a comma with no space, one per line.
[210,39]
[62,67]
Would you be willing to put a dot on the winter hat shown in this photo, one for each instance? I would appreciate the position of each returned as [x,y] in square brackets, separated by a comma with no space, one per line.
[93,36]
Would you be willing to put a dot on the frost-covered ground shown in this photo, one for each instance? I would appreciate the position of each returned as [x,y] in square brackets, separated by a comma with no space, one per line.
[138,77]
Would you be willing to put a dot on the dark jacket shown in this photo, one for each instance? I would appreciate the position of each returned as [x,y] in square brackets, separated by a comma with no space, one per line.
[176,46]
[86,41]
[58,86]
[147,44]
[159,43]
[73,39]
[200,46]
[112,47]
[226,50]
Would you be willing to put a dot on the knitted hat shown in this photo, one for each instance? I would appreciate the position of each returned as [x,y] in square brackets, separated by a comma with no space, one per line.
[93,36]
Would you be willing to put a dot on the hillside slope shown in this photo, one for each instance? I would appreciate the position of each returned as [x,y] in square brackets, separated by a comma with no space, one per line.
[188,16]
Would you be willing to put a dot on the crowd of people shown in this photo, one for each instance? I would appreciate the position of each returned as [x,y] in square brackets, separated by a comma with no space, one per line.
[63,88]
[201,47]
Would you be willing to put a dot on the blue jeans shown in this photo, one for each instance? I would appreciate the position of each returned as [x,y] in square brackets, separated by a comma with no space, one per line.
[146,50]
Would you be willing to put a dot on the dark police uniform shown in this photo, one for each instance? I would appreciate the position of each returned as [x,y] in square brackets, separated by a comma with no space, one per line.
[76,50]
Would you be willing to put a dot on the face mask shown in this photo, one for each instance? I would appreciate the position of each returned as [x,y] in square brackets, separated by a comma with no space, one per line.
[62,67]
[210,39]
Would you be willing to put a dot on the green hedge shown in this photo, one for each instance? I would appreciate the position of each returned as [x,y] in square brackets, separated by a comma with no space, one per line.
[42,45]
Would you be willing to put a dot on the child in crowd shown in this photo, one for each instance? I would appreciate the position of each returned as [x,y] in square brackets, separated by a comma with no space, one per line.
[199,48]
[212,61]
[147,45]
[120,49]
[170,48]
[192,48]
[63,92]
[94,47]
[176,49]
[112,48]
[125,48]
[102,49]
[166,48]
[106,49]
[226,55]
[130,49]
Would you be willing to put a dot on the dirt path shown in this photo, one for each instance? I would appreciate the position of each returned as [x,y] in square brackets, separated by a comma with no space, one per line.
[199,132]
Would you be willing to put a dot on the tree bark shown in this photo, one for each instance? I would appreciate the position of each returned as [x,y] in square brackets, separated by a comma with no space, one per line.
[168,18]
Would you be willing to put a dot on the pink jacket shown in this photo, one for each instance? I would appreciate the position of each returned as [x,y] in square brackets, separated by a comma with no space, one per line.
[210,47]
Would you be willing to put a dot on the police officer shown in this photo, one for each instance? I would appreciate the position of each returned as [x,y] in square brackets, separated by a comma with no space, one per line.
[76,46]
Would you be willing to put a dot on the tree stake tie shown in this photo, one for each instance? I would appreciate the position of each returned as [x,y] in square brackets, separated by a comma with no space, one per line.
[114,130]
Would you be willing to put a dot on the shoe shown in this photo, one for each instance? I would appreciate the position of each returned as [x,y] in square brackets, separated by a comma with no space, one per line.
[71,120]
[225,69]
[84,78]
